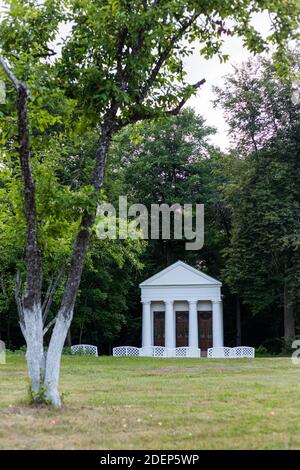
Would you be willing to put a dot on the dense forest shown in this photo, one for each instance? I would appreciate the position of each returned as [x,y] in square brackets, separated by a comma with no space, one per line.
[251,197]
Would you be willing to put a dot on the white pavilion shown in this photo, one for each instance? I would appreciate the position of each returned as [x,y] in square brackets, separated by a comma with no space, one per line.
[182,307]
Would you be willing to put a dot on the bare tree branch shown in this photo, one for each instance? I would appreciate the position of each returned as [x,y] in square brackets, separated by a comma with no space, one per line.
[177,109]
[164,54]
[18,299]
[18,286]
[142,114]
[121,74]
[32,291]
[51,323]
[50,294]
[5,66]
[47,295]
[47,53]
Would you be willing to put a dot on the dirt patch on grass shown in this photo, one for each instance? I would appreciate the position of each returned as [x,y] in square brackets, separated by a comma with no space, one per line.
[39,410]
[19,410]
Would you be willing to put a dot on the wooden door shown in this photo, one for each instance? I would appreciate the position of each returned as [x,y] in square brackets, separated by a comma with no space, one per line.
[182,329]
[205,330]
[159,328]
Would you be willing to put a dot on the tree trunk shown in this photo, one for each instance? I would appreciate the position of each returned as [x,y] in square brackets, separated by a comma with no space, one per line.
[238,321]
[53,357]
[8,332]
[35,353]
[69,338]
[30,310]
[80,334]
[288,314]
[65,314]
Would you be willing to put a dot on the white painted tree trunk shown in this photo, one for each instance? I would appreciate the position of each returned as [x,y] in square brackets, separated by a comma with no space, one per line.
[53,358]
[34,340]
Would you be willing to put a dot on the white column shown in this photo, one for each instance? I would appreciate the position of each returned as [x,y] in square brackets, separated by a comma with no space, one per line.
[217,323]
[152,327]
[169,325]
[146,326]
[174,325]
[193,324]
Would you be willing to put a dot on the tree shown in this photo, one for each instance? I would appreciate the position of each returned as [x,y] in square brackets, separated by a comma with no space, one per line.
[102,305]
[122,63]
[163,163]
[263,258]
[257,103]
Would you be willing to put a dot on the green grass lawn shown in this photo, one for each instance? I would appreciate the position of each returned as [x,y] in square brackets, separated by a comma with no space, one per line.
[145,403]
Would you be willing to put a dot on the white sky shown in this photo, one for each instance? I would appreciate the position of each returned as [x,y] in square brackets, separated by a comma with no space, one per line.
[213,71]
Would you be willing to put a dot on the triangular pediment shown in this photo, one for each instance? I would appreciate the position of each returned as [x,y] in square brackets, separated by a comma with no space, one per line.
[180,274]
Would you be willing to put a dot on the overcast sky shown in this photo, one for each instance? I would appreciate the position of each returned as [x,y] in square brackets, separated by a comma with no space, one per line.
[198,68]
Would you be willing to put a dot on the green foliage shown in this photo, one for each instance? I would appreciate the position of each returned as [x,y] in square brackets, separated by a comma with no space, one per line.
[262,259]
[261,351]
[67,351]
[102,308]
[38,398]
[287,349]
[125,56]
[169,161]
[258,103]
[109,37]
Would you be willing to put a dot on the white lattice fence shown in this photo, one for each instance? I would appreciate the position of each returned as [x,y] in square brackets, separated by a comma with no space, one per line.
[187,352]
[157,351]
[242,352]
[130,351]
[160,351]
[147,351]
[84,349]
[180,352]
[218,352]
[238,352]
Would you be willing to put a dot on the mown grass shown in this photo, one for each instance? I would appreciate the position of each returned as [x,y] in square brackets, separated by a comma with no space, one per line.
[144,403]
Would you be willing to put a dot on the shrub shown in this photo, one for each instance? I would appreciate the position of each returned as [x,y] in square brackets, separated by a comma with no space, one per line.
[261,351]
